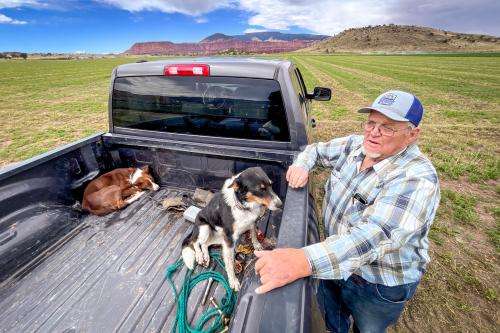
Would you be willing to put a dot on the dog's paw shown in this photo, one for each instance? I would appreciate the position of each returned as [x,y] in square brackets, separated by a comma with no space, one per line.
[199,258]
[189,265]
[234,284]
[206,259]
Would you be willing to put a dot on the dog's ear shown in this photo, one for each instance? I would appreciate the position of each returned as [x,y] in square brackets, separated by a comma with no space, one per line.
[259,171]
[235,184]
[145,168]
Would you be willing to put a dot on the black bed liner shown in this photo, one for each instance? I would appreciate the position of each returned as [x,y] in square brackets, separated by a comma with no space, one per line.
[108,277]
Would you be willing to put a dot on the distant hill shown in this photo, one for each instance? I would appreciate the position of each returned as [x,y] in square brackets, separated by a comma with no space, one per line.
[216,37]
[255,42]
[265,36]
[401,38]
[13,55]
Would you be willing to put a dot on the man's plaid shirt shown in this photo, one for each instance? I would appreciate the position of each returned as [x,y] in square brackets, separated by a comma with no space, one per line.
[378,219]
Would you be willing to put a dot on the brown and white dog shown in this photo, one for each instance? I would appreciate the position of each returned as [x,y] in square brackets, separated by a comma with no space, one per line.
[117,189]
[230,213]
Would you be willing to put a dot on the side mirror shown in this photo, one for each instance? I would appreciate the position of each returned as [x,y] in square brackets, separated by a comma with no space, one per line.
[320,94]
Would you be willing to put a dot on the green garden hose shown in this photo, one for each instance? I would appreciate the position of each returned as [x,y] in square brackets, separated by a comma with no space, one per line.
[218,313]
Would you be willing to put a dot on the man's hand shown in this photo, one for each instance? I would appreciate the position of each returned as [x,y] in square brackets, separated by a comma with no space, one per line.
[280,267]
[297,176]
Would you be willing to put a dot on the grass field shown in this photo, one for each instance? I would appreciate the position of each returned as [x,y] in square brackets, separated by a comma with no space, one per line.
[45,103]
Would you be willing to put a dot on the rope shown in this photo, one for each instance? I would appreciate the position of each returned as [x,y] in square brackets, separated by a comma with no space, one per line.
[220,312]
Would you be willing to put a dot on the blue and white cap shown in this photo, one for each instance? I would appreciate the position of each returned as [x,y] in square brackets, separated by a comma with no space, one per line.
[398,105]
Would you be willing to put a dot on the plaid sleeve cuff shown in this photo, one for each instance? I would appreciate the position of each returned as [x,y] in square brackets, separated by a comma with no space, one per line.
[301,164]
[304,160]
[309,260]
[323,264]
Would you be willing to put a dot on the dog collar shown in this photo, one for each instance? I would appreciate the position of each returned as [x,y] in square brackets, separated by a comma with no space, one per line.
[238,203]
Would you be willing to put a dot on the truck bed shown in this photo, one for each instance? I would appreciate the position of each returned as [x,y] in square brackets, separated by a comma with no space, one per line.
[64,271]
[107,275]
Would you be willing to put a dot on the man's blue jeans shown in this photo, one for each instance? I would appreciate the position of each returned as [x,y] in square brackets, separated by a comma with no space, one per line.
[373,306]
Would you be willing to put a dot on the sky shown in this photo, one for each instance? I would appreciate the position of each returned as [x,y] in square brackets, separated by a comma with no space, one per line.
[112,26]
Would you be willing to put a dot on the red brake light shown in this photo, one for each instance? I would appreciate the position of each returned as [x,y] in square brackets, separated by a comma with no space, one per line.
[187,70]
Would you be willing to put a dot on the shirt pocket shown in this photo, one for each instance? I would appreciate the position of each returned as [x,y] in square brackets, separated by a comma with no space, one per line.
[336,181]
[353,213]
[361,199]
[335,189]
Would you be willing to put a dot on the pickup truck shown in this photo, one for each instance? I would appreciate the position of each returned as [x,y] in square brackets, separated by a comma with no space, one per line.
[194,122]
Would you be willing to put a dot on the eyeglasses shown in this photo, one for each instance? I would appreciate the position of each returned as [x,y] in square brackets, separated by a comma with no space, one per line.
[384,129]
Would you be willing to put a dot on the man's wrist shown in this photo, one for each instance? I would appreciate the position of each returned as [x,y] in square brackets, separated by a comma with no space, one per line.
[310,263]
[307,268]
[301,164]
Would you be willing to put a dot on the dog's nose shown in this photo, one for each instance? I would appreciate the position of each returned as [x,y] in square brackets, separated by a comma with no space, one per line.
[275,203]
[279,204]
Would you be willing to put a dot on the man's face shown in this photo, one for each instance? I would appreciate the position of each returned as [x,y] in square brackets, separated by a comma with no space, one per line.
[378,146]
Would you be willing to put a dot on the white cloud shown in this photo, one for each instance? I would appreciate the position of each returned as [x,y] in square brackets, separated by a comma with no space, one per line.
[321,16]
[250,30]
[478,16]
[60,5]
[15,4]
[200,19]
[18,3]
[332,16]
[187,7]
[7,20]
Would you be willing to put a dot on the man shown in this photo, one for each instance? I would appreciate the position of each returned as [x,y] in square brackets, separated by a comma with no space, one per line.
[379,203]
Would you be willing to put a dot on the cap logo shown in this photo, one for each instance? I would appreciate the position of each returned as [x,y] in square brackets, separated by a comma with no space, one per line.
[388,99]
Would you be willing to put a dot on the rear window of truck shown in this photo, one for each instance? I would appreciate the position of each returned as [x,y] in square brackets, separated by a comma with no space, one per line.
[214,106]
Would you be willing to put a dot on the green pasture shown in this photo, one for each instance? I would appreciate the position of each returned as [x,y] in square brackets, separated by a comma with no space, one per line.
[46,103]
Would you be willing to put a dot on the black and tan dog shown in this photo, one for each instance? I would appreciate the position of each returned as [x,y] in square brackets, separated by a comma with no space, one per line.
[230,213]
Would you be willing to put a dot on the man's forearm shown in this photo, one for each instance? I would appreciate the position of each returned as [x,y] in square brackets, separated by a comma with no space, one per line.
[323,153]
